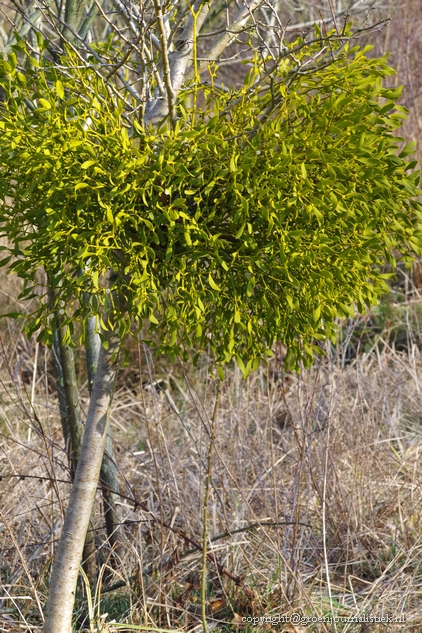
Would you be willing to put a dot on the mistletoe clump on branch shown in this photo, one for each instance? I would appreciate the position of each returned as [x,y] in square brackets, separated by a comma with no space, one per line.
[262,216]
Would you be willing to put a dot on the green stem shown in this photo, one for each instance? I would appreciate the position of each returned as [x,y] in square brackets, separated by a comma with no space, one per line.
[195,64]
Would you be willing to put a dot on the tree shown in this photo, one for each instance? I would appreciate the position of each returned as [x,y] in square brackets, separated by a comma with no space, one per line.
[260,215]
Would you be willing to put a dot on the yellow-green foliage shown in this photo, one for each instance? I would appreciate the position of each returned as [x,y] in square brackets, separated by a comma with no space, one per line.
[265,218]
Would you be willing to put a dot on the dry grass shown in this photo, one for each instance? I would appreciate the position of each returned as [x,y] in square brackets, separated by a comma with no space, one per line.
[315,499]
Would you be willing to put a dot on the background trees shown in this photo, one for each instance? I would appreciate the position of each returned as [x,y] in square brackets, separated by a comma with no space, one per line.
[233,291]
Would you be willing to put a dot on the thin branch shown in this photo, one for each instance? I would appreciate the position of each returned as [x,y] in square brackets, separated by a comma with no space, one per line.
[234,28]
[165,61]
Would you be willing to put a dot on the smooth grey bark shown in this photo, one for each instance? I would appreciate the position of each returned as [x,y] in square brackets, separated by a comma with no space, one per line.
[93,347]
[180,60]
[108,475]
[69,552]
[75,429]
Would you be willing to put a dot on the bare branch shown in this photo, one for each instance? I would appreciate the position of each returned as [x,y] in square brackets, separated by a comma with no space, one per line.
[234,28]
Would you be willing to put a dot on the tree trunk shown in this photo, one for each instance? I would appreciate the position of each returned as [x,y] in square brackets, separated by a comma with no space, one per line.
[93,347]
[73,426]
[60,391]
[71,391]
[70,416]
[69,552]
[110,486]
[108,476]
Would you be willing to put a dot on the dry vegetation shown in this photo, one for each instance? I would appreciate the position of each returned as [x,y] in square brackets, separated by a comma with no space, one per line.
[315,482]
[315,490]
